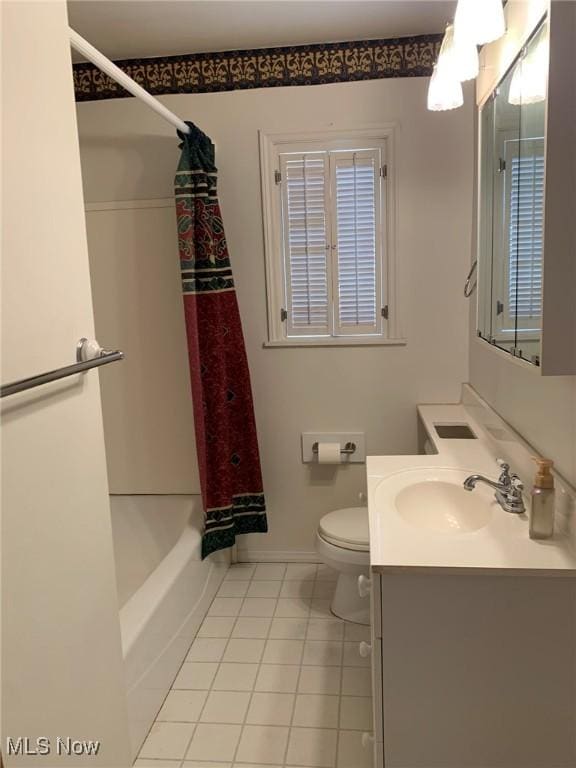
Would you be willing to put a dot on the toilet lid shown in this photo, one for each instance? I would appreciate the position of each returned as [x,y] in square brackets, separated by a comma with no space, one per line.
[347,528]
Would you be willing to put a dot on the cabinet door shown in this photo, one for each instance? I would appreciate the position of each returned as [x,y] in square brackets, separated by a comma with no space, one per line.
[526,217]
[511,204]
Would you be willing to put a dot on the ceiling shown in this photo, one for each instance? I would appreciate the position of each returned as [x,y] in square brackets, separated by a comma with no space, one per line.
[124,29]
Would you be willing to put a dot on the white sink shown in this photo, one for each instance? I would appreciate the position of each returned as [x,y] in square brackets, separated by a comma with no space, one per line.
[434,499]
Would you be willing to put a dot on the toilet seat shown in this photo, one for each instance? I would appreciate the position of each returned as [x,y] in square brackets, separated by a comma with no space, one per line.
[346,528]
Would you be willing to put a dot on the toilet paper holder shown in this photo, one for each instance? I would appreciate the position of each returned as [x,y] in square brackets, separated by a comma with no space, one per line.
[348,449]
[352,446]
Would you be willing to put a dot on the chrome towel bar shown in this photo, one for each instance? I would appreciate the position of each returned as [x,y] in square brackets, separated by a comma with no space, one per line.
[83,349]
[348,448]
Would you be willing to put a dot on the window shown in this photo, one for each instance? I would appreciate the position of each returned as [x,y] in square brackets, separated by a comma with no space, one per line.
[328,213]
[526,232]
[519,287]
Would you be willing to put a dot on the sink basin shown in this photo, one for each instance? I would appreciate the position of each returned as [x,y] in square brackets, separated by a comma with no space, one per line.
[434,499]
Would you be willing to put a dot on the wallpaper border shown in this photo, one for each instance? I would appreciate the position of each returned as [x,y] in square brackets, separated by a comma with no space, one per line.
[266,67]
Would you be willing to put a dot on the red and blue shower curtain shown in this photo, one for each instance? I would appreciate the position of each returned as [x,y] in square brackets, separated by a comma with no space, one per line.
[226,439]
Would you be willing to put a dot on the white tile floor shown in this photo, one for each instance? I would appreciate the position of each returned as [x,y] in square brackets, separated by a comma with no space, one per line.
[273,680]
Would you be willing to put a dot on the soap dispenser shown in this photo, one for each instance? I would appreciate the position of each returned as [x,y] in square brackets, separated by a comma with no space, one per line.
[542,501]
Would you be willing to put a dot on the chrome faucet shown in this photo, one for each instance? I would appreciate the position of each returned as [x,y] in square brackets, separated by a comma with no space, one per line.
[508,488]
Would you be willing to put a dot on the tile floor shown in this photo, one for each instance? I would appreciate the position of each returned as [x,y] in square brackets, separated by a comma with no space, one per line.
[272,680]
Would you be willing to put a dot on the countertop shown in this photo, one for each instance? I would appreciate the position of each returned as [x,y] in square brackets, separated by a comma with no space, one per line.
[503,546]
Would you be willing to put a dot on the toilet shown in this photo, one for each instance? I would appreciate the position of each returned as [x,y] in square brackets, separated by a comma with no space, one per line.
[343,543]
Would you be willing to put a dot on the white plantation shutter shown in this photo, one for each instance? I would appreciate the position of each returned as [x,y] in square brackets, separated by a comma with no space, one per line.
[332,242]
[305,225]
[356,192]
[526,233]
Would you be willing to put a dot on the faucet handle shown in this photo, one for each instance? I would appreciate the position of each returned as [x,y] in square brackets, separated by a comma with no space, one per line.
[512,496]
[505,473]
[515,488]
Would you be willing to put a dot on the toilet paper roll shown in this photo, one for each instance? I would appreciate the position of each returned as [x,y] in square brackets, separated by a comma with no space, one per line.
[329,453]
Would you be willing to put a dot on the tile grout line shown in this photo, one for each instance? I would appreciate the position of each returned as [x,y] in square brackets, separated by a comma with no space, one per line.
[251,693]
[261,664]
[291,724]
[337,757]
[251,696]
[211,687]
[192,735]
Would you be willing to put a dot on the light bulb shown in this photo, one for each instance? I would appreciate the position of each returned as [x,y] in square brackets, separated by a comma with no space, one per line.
[458,55]
[515,92]
[480,21]
[444,91]
[529,81]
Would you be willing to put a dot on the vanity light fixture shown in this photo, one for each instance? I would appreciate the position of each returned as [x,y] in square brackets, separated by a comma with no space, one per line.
[529,81]
[444,91]
[476,22]
[459,54]
[480,21]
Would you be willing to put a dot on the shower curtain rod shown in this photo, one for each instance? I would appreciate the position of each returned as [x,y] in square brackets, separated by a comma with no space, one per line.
[113,71]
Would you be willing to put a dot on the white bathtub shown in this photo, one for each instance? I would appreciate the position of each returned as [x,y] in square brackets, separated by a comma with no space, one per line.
[164,590]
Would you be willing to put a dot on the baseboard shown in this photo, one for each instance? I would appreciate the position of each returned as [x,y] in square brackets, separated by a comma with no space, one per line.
[276,556]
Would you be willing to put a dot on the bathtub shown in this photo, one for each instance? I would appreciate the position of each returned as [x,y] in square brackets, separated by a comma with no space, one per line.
[164,591]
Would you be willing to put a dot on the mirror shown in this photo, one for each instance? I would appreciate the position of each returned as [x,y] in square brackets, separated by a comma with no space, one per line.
[511,205]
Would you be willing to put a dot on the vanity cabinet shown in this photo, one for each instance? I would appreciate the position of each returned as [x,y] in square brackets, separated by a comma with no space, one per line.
[472,670]
[526,229]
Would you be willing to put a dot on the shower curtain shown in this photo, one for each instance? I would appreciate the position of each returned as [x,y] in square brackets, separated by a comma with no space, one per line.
[226,437]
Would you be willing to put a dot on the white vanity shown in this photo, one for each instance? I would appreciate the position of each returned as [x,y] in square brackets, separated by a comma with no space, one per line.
[473,624]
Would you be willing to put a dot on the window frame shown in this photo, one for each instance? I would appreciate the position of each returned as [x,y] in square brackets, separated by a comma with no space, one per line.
[272,145]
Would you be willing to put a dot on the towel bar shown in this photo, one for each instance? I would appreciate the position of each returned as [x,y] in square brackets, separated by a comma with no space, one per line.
[102,358]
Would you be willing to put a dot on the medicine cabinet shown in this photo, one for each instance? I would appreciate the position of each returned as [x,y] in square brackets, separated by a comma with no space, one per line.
[527,200]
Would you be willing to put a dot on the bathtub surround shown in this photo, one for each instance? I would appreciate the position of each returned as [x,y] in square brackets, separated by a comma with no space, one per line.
[266,67]
[226,439]
[127,156]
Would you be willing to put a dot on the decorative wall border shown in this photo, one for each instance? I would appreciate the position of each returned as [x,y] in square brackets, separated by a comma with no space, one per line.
[266,67]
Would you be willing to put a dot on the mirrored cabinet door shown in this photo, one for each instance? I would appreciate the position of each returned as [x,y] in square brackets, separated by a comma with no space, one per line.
[511,210]
[527,209]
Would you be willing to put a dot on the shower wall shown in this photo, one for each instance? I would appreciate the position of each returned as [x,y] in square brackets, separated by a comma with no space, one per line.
[148,419]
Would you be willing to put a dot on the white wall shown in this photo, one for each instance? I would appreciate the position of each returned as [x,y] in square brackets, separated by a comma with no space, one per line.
[541,408]
[62,671]
[129,153]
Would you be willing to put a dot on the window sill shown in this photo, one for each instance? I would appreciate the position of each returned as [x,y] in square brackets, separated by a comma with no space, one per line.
[336,342]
